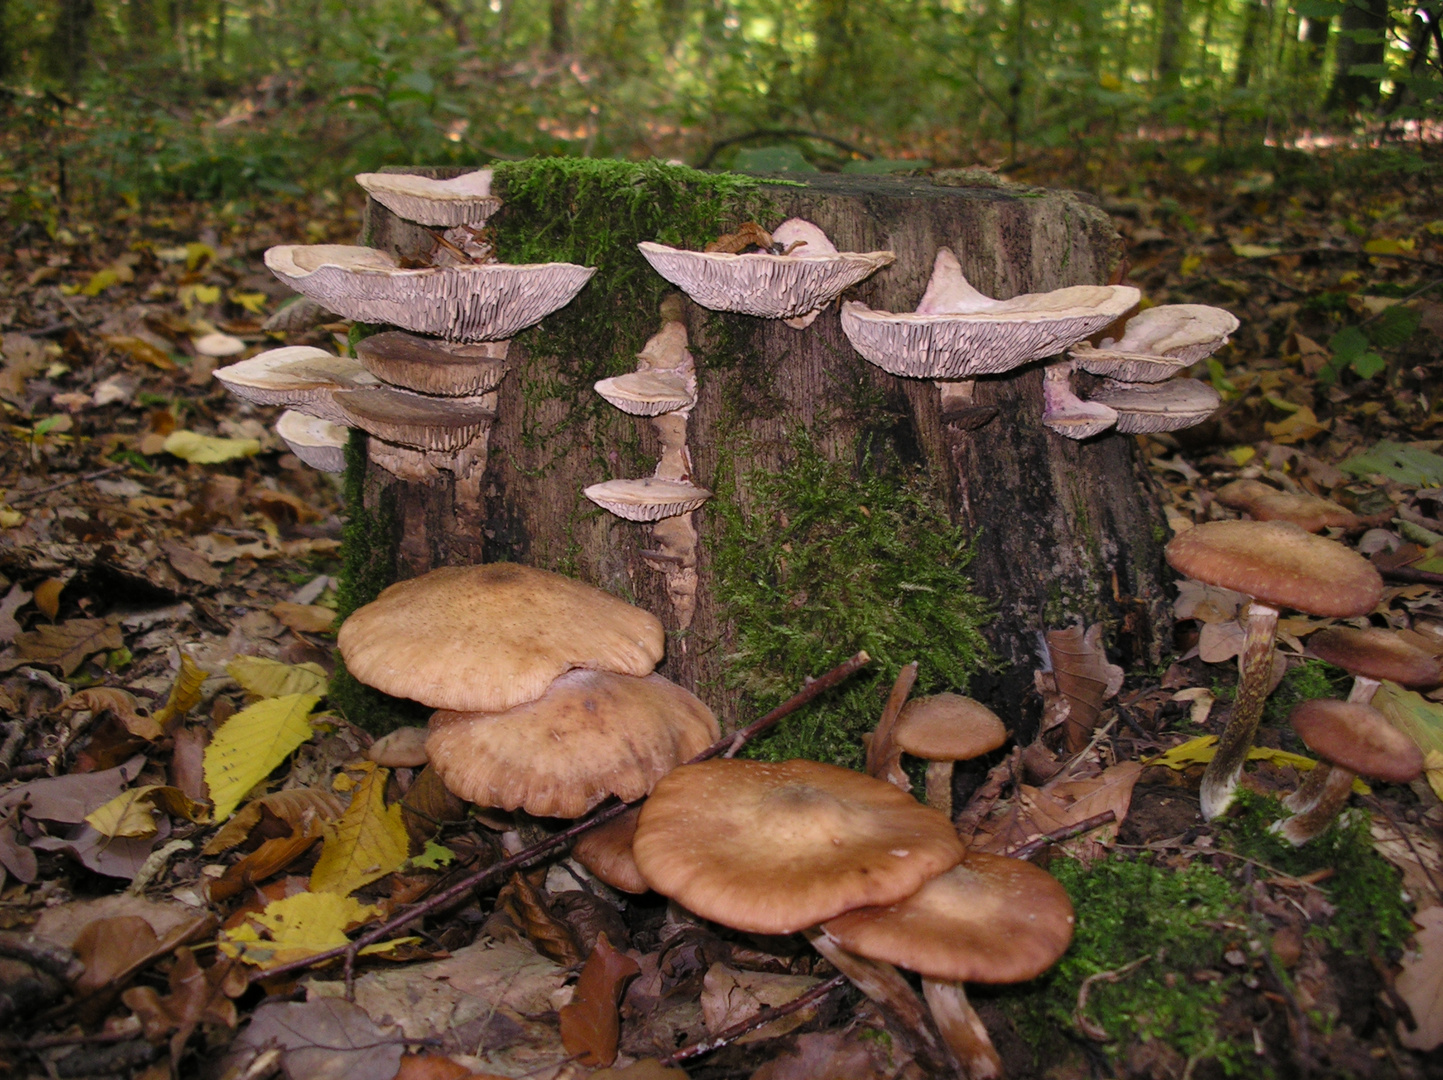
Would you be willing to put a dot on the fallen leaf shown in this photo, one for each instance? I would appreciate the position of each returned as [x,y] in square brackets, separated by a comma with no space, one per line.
[1206,603]
[143,351]
[304,618]
[1408,465]
[132,813]
[590,1024]
[730,997]
[531,915]
[300,926]
[70,643]
[1421,720]
[326,1039]
[117,702]
[252,743]
[1297,427]
[367,843]
[185,692]
[429,1066]
[297,807]
[115,948]
[14,600]
[839,1054]
[189,563]
[1219,641]
[272,679]
[1084,677]
[1200,703]
[1059,803]
[197,996]
[67,799]
[208,449]
[1201,750]
[47,597]
[1420,983]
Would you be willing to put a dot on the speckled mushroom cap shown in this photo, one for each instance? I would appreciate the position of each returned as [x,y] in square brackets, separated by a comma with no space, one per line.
[1376,654]
[481,302]
[1164,406]
[492,637]
[761,284]
[298,377]
[319,443]
[591,735]
[647,499]
[991,919]
[772,848]
[957,332]
[416,420]
[429,366]
[1359,738]
[1265,503]
[606,852]
[1280,565]
[948,727]
[461,200]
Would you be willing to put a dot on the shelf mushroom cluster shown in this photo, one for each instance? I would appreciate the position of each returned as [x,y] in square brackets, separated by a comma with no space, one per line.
[663,388]
[545,695]
[426,393]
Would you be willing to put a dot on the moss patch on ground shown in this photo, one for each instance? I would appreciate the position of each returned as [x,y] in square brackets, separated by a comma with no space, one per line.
[823,558]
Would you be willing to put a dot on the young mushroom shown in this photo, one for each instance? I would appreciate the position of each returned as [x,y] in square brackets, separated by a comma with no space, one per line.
[1066,413]
[606,852]
[1351,739]
[942,730]
[1275,565]
[319,443]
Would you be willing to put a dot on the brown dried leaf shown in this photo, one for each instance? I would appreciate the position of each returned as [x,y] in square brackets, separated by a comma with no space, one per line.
[1421,983]
[528,911]
[1058,804]
[750,234]
[187,768]
[1084,677]
[304,809]
[69,644]
[427,806]
[14,600]
[304,618]
[197,996]
[1219,641]
[47,597]
[428,1066]
[120,703]
[590,1025]
[731,997]
[827,1054]
[270,858]
[189,563]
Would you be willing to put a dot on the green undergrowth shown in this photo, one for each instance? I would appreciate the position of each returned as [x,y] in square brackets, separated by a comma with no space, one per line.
[1308,680]
[823,558]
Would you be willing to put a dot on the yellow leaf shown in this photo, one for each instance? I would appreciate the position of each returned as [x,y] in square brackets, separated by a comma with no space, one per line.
[254,302]
[1254,251]
[11,518]
[208,449]
[104,279]
[1190,263]
[1241,455]
[296,927]
[252,743]
[196,253]
[1203,749]
[1109,81]
[191,295]
[184,692]
[1387,246]
[1433,767]
[132,813]
[1421,720]
[1302,424]
[47,597]
[367,843]
[271,678]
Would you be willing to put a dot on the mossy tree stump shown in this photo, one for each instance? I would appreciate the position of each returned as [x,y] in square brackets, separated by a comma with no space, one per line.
[1064,530]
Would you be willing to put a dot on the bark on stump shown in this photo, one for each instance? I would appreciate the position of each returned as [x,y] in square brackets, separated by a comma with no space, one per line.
[1066,530]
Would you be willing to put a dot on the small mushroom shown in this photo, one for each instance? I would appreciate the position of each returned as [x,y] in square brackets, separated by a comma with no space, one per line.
[591,735]
[793,286]
[1143,408]
[466,303]
[1352,739]
[648,393]
[1159,342]
[298,377]
[489,638]
[942,730]
[461,200]
[1066,413]
[606,852]
[429,366]
[1275,565]
[648,499]
[319,443]
[1262,502]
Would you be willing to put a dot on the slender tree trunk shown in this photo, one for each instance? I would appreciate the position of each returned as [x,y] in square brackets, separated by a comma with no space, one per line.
[671,18]
[1361,40]
[834,49]
[1124,47]
[7,43]
[220,35]
[1019,68]
[68,48]
[1170,51]
[559,42]
[1248,46]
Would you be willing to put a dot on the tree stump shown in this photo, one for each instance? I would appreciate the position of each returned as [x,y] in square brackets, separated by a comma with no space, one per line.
[1064,530]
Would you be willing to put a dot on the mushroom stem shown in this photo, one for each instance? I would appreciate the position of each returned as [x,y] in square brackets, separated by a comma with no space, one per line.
[1255,668]
[939,786]
[1066,413]
[884,756]
[898,1002]
[1309,790]
[1363,689]
[1314,821]
[962,1029]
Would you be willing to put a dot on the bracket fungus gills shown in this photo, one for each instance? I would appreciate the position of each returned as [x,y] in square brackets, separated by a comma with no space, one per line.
[463,303]
[1066,413]
[1143,408]
[591,735]
[317,442]
[1159,342]
[1351,739]
[648,393]
[647,499]
[793,286]
[461,200]
[298,377]
[489,638]
[430,366]
[958,333]
[1275,565]
[420,421]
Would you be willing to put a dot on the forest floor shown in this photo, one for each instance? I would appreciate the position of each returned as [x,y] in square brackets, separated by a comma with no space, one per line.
[169,566]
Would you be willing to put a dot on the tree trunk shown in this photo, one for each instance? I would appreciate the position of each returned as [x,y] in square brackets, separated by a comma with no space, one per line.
[1065,530]
[1249,47]
[1170,44]
[1362,39]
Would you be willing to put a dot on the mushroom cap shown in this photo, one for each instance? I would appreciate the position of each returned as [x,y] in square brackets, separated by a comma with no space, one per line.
[761,284]
[319,443]
[991,919]
[1376,654]
[1278,564]
[590,735]
[298,377]
[492,637]
[1265,503]
[772,848]
[948,727]
[648,393]
[480,302]
[957,332]
[1124,367]
[647,499]
[1164,406]
[461,200]
[429,366]
[420,421]
[1359,738]
[1183,332]
[606,852]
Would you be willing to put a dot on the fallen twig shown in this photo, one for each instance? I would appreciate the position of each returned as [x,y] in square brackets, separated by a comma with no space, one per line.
[761,1019]
[1377,803]
[1097,1032]
[726,746]
[1067,832]
[24,495]
[1406,575]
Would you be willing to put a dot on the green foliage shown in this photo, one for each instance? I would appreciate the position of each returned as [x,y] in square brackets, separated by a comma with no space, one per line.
[1355,347]
[824,558]
[1310,679]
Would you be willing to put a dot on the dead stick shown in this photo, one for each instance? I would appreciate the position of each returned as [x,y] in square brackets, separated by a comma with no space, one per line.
[74,480]
[1406,575]
[761,1019]
[1373,800]
[728,745]
[1032,847]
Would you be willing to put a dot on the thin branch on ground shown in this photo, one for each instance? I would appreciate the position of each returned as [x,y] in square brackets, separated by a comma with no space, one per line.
[1067,832]
[761,1019]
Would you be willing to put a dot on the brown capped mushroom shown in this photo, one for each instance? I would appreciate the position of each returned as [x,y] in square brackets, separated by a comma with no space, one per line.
[942,730]
[1276,565]
[429,366]
[606,852]
[1262,502]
